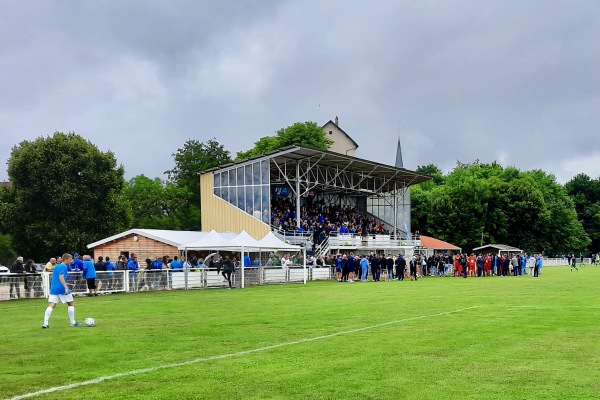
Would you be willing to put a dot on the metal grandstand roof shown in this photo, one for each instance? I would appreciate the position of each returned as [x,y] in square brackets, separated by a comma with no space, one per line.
[333,172]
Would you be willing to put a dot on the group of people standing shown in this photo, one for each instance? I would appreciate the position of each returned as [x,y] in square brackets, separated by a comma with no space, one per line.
[349,268]
[496,265]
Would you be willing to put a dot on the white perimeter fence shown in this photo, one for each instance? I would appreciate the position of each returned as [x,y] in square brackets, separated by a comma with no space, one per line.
[38,285]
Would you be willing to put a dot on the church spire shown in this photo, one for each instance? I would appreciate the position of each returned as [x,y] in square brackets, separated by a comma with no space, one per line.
[399,163]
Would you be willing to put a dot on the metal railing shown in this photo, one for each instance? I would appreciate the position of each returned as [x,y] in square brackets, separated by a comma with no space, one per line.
[352,240]
[293,237]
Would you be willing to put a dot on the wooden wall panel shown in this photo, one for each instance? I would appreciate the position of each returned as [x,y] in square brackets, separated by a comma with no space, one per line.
[221,216]
[143,248]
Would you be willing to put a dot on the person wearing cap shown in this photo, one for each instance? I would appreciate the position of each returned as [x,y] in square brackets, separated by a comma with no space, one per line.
[77,263]
[16,268]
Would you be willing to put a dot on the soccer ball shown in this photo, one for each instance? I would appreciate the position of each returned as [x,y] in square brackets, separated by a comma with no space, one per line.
[90,322]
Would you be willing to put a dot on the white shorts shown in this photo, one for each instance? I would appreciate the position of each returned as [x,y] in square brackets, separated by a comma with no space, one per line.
[63,298]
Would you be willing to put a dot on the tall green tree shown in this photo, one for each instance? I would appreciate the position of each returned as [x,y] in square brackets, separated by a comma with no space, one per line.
[302,133]
[193,158]
[585,193]
[487,203]
[67,194]
[161,205]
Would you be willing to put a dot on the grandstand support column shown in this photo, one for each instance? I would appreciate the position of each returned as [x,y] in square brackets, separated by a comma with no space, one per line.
[243,266]
[298,224]
[395,211]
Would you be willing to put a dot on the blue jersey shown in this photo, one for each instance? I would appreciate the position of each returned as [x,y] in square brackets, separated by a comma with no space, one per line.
[176,265]
[77,264]
[89,271]
[133,266]
[157,264]
[56,287]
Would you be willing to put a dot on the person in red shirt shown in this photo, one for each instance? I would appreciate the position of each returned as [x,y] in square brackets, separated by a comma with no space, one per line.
[471,263]
[487,267]
[457,267]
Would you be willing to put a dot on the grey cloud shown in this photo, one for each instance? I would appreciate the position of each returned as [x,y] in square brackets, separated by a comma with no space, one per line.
[510,81]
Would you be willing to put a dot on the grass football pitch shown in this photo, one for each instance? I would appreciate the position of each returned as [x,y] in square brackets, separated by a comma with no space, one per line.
[437,338]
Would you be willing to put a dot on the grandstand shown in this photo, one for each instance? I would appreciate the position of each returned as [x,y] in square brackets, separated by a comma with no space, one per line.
[313,197]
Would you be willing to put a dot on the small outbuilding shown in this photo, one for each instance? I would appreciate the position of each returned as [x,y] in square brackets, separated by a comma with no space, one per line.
[431,246]
[499,249]
[145,243]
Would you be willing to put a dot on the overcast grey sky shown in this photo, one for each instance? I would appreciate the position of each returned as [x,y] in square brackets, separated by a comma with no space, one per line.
[512,81]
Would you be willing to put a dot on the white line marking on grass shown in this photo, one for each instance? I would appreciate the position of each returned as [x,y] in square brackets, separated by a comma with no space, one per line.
[555,307]
[229,355]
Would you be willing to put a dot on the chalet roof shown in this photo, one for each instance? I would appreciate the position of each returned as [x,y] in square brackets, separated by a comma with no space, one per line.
[173,238]
[341,130]
[437,244]
[500,247]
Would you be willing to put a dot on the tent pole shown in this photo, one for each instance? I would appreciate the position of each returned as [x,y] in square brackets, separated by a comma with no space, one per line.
[243,267]
[304,265]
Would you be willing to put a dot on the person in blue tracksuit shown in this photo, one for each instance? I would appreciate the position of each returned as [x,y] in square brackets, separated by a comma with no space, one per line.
[89,274]
[133,266]
[364,266]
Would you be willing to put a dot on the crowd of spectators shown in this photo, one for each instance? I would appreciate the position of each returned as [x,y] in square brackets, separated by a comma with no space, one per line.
[322,220]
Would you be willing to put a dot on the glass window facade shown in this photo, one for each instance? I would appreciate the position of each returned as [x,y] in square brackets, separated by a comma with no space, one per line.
[246,187]
[383,208]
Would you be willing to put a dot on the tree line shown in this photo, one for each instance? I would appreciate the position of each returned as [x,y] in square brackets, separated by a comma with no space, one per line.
[67,193]
[480,203]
